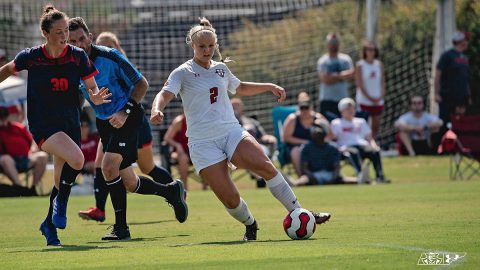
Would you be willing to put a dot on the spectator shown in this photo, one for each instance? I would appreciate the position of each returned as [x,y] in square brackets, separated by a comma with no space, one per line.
[88,144]
[354,136]
[416,127]
[451,77]
[267,142]
[296,129]
[370,81]
[177,139]
[18,153]
[334,69]
[320,160]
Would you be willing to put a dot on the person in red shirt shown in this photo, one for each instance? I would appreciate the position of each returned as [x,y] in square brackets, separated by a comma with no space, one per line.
[18,153]
[88,144]
[177,139]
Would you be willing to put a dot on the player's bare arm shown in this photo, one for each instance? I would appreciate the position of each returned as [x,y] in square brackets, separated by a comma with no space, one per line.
[251,89]
[97,96]
[159,104]
[7,70]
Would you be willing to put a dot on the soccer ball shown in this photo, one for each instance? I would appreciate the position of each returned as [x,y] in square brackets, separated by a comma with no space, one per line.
[299,224]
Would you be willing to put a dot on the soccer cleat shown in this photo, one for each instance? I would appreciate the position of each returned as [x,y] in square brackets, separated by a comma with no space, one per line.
[382,180]
[93,213]
[251,232]
[176,199]
[50,233]
[118,233]
[321,218]
[59,215]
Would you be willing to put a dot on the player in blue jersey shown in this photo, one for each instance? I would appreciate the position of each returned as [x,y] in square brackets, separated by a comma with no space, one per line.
[118,124]
[54,72]
[144,146]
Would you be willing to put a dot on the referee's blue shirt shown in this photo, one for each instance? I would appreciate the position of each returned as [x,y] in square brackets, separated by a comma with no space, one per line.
[117,74]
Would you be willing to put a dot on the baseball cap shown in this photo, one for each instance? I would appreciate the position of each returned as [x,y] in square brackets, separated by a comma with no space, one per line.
[459,36]
[344,103]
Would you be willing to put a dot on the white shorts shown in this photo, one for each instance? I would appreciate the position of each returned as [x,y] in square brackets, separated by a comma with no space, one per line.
[206,153]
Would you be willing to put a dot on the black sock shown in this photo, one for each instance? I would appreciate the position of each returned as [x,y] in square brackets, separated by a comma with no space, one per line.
[50,208]
[147,186]
[101,189]
[118,195]
[160,175]
[67,178]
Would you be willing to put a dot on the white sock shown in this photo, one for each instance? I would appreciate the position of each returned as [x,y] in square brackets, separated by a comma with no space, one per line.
[242,213]
[282,191]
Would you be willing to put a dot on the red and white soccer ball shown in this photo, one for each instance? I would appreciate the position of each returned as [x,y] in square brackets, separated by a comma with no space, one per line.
[299,224]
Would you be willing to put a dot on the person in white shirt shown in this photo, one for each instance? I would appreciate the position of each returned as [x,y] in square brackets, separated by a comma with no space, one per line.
[416,127]
[353,135]
[215,136]
[370,81]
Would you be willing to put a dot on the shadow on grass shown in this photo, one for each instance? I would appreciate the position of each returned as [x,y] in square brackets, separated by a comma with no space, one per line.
[65,248]
[77,248]
[140,239]
[140,223]
[230,243]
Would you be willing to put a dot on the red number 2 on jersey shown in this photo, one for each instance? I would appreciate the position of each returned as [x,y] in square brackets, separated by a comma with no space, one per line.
[213,95]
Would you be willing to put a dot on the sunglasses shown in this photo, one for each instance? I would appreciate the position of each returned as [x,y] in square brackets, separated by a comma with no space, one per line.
[304,107]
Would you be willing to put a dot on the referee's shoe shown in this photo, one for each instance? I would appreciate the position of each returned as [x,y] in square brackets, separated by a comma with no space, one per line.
[176,199]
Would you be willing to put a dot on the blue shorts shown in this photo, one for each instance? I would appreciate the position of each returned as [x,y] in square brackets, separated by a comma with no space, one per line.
[22,163]
[47,128]
[144,134]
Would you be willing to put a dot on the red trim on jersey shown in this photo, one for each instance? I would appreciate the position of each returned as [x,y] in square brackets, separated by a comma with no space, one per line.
[41,143]
[90,75]
[50,57]
[147,144]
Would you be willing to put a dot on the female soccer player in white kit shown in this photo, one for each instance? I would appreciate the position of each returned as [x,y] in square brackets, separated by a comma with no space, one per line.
[215,136]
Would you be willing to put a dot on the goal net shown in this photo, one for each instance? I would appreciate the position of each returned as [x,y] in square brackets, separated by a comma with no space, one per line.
[275,41]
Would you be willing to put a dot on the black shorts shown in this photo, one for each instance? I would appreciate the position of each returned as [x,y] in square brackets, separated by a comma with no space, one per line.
[124,140]
[144,134]
[41,133]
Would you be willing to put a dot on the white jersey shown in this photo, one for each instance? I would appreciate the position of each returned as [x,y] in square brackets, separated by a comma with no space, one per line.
[206,104]
[372,82]
[349,133]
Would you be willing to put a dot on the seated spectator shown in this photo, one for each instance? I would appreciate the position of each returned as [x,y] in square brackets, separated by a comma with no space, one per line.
[177,139]
[88,144]
[415,129]
[296,129]
[18,153]
[320,160]
[354,136]
[267,142]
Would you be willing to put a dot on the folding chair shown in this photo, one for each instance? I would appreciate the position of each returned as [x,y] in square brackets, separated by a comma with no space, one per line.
[462,142]
[279,114]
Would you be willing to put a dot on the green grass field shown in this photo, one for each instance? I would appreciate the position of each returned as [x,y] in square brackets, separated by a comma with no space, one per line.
[373,227]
